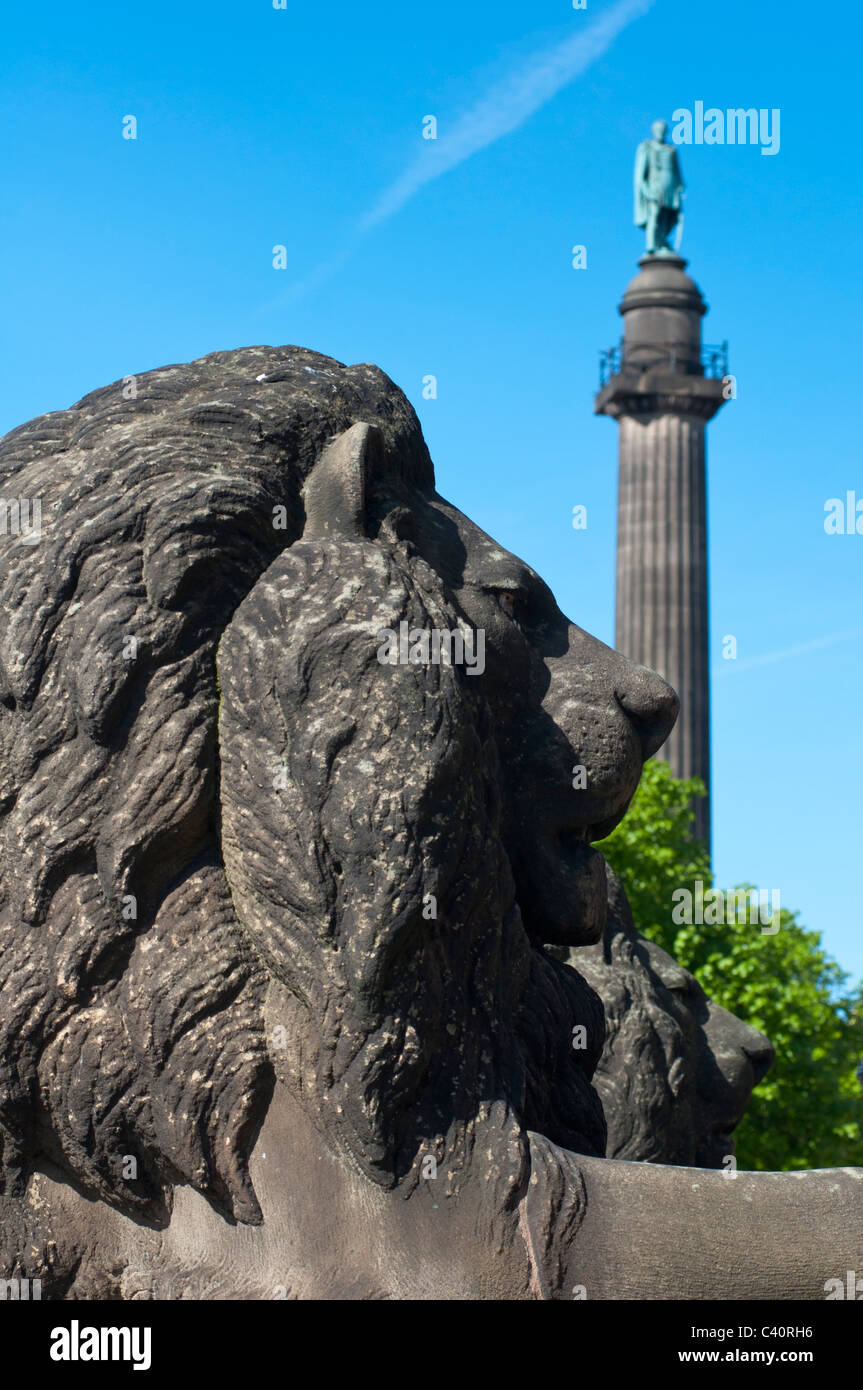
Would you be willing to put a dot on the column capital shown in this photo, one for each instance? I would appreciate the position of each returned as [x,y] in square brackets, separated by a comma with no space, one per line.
[656,392]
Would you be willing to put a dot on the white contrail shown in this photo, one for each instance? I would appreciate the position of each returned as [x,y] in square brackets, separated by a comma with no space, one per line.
[507,105]
[730,668]
[503,107]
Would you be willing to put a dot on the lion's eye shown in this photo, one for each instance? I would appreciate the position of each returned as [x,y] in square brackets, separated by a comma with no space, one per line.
[514,602]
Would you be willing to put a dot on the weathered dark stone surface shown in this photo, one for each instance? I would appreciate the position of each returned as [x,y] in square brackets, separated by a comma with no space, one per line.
[677,1070]
[283,1073]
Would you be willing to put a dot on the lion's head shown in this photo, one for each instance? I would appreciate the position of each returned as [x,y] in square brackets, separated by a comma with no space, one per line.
[238,846]
[677,1070]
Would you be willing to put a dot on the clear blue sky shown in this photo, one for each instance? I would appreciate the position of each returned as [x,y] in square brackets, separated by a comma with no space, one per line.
[259,127]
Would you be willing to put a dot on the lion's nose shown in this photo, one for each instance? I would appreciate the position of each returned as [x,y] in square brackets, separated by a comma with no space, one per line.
[650,703]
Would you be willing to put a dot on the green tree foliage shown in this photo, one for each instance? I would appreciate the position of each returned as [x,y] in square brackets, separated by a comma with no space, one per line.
[808,1112]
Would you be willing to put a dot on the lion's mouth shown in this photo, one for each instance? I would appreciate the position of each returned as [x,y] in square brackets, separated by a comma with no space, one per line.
[571,837]
[721,1134]
[724,1127]
[577,841]
[579,873]
[571,834]
[578,854]
[717,1148]
[561,879]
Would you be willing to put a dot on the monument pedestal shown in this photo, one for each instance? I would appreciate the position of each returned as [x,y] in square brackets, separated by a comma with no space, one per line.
[663,386]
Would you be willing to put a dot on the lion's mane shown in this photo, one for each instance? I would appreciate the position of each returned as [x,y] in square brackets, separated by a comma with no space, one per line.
[140,986]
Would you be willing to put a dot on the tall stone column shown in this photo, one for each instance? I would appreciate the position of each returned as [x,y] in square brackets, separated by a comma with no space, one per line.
[662,387]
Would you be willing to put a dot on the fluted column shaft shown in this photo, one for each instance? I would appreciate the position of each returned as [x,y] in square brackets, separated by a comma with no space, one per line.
[662,593]
[662,399]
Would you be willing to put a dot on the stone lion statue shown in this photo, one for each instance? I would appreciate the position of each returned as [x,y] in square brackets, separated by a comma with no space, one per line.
[676,1071]
[278,1014]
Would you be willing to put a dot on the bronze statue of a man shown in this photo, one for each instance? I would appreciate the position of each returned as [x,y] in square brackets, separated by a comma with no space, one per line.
[658,191]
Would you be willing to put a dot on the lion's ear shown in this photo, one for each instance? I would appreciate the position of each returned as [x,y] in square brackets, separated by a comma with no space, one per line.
[335,490]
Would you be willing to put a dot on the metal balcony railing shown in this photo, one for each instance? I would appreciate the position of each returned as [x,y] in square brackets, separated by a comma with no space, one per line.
[677,358]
